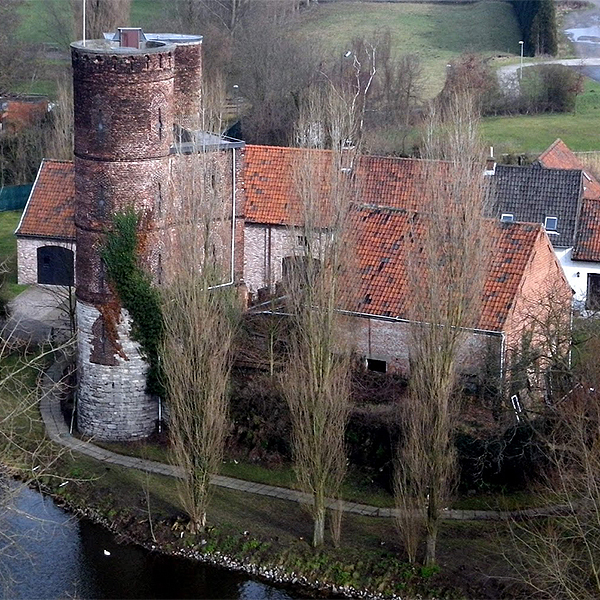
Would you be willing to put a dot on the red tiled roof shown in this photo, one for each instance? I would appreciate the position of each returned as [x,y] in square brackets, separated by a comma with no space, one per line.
[587,240]
[558,156]
[272,191]
[381,248]
[50,209]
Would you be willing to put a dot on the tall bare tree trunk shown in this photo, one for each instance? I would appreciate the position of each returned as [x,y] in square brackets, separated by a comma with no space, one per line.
[200,311]
[316,381]
[447,265]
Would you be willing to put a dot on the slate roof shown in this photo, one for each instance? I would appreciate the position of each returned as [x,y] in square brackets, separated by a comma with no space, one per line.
[381,249]
[532,194]
[587,236]
[49,212]
[272,189]
[559,156]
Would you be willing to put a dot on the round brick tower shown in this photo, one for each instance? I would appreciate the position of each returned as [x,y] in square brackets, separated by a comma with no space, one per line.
[124,113]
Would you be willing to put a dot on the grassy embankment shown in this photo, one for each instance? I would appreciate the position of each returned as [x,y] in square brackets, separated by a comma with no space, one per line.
[532,134]
[438,33]
[36,28]
[248,528]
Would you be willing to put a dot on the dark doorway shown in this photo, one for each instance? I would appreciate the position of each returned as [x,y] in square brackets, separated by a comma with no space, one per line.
[593,292]
[55,265]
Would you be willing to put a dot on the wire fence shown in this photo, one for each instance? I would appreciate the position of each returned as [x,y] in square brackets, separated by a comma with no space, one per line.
[14,197]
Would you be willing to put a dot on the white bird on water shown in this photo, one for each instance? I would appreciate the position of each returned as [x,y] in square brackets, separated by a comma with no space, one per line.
[106,553]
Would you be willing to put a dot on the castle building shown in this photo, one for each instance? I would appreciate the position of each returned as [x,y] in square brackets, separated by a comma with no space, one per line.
[130,94]
[138,136]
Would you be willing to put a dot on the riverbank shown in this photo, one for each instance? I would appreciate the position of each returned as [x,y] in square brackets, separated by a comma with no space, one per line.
[267,536]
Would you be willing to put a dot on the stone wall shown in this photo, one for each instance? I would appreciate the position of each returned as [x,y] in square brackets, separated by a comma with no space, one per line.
[112,403]
[27,257]
[390,341]
[265,246]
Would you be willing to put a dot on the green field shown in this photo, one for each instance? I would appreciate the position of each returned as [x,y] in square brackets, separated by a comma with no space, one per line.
[37,27]
[532,134]
[438,33]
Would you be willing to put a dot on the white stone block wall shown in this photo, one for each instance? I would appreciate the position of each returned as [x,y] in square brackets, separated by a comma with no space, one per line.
[112,403]
[27,257]
[265,247]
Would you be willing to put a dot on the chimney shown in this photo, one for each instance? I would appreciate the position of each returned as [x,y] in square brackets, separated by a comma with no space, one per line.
[490,163]
[347,155]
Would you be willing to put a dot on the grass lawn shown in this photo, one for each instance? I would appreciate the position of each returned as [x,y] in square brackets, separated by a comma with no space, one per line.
[35,26]
[8,249]
[438,33]
[532,134]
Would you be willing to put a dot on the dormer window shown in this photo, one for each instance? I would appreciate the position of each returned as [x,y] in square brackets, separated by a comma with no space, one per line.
[507,218]
[551,224]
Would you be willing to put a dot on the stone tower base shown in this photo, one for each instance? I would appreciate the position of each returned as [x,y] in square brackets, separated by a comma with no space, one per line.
[112,403]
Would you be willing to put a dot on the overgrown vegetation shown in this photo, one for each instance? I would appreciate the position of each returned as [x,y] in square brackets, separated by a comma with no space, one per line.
[135,291]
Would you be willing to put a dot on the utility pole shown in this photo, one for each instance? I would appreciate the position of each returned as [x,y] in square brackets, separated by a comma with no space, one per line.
[521,43]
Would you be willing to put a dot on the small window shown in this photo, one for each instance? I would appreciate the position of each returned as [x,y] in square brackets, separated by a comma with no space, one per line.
[379,366]
[551,223]
[302,241]
[507,218]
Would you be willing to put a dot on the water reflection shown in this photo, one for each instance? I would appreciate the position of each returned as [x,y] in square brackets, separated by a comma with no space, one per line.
[60,557]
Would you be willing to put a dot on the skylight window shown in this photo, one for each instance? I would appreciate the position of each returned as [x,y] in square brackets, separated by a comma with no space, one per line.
[507,218]
[551,223]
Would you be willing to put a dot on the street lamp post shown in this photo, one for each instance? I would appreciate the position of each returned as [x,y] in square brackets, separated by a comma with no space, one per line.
[521,43]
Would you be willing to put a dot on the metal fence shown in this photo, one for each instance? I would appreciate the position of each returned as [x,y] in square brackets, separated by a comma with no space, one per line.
[14,197]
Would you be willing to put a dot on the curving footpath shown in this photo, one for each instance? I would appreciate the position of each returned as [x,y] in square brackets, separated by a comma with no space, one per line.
[57,431]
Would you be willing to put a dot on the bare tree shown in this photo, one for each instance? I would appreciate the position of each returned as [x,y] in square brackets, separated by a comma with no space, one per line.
[58,143]
[447,262]
[317,379]
[101,16]
[559,556]
[264,51]
[200,315]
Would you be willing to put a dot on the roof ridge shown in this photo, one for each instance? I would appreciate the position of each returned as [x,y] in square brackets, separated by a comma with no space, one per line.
[552,146]
[57,161]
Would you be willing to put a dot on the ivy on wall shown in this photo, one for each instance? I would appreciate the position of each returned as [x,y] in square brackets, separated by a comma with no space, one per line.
[135,290]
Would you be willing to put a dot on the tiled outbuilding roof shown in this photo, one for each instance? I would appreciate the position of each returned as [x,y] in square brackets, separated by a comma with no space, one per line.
[49,212]
[559,156]
[382,245]
[271,176]
[587,240]
[531,194]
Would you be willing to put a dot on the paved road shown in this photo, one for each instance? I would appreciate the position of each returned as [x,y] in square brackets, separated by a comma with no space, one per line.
[37,314]
[508,76]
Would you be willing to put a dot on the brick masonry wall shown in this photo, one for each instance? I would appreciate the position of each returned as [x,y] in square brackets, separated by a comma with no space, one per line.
[188,84]
[27,257]
[123,103]
[112,402]
[544,291]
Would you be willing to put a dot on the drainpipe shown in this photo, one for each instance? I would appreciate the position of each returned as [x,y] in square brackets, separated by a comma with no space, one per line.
[233,201]
[502,350]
